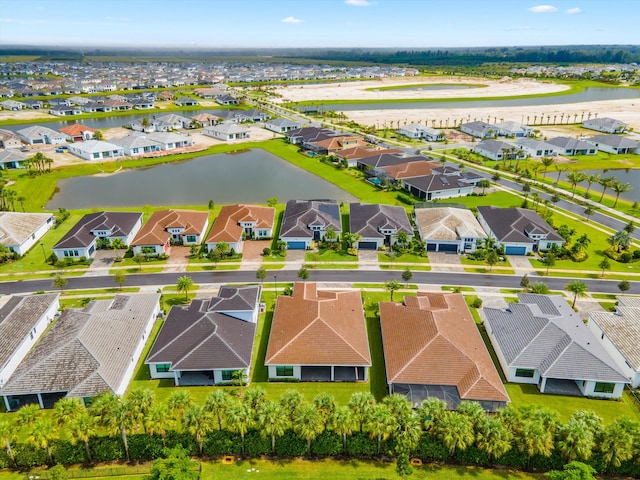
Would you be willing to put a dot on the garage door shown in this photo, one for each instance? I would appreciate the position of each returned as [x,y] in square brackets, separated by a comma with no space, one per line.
[431,247]
[445,247]
[367,245]
[515,250]
[296,245]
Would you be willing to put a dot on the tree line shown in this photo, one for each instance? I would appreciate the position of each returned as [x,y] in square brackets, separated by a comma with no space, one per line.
[246,422]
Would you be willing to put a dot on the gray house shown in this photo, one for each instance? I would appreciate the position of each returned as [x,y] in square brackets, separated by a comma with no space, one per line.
[536,148]
[499,151]
[572,146]
[281,125]
[615,144]
[605,125]
[378,225]
[305,221]
[205,342]
[479,129]
[542,341]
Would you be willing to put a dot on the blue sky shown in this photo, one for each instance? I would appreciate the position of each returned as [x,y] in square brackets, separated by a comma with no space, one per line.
[318,23]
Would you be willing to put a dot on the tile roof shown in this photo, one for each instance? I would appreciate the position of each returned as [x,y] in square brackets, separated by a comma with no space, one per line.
[615,141]
[119,224]
[379,160]
[623,329]
[299,214]
[206,335]
[76,129]
[95,146]
[226,227]
[511,224]
[154,232]
[361,152]
[368,219]
[17,317]
[447,223]
[438,182]
[12,155]
[570,143]
[318,328]
[87,351]
[494,146]
[411,169]
[433,340]
[16,227]
[543,332]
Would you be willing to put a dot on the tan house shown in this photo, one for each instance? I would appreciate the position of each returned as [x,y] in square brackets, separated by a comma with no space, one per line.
[318,336]
[238,222]
[166,227]
[332,145]
[433,349]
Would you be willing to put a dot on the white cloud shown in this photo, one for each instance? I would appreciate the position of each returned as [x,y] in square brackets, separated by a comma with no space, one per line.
[293,20]
[7,20]
[358,3]
[573,11]
[543,9]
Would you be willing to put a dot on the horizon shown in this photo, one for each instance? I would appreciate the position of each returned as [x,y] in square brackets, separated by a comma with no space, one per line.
[327,24]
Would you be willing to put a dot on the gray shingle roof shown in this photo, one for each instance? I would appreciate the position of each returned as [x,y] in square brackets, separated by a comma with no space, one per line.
[299,214]
[623,328]
[543,332]
[119,223]
[615,141]
[511,224]
[86,351]
[367,220]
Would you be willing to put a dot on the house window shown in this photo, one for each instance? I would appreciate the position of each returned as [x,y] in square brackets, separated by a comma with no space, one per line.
[191,239]
[163,367]
[96,155]
[284,371]
[602,387]
[227,375]
[524,373]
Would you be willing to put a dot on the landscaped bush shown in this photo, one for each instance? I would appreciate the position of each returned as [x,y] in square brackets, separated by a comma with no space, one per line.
[360,444]
[106,449]
[327,443]
[29,456]
[255,444]
[222,442]
[145,447]
[430,448]
[471,455]
[5,461]
[187,441]
[291,445]
[68,454]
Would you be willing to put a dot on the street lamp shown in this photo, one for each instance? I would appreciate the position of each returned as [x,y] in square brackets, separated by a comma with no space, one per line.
[44,254]
[275,284]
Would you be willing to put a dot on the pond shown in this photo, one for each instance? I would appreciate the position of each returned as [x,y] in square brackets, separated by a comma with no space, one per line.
[592,94]
[248,176]
[418,88]
[624,175]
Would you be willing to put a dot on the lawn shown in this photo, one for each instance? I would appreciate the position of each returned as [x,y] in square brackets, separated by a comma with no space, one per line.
[332,256]
[403,258]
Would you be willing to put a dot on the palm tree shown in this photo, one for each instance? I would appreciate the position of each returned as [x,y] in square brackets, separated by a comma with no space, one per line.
[239,418]
[326,405]
[606,182]
[455,431]
[546,163]
[185,284]
[7,433]
[113,413]
[119,278]
[589,211]
[272,421]
[42,432]
[159,420]
[620,188]
[216,404]
[308,424]
[28,415]
[575,441]
[21,199]
[494,438]
[474,412]
[342,422]
[591,179]
[574,178]
[578,288]
[140,401]
[431,410]
[402,238]
[66,409]
[330,235]
[82,427]
[222,248]
[197,422]
[391,286]
[484,184]
[380,422]
[604,265]
[560,169]
[539,288]
[253,398]
[360,404]
[616,445]
[178,402]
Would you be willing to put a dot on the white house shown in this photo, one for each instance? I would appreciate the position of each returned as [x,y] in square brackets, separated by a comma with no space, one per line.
[536,148]
[134,145]
[37,135]
[11,159]
[378,225]
[448,229]
[479,129]
[616,144]
[21,231]
[417,131]
[281,125]
[499,151]
[170,140]
[235,223]
[605,125]
[165,227]
[227,131]
[513,129]
[96,150]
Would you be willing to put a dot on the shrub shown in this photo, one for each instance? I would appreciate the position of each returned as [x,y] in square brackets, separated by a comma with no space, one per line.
[477,302]
[187,441]
[144,447]
[430,448]
[106,449]
[625,257]
[266,251]
[29,456]
[327,443]
[255,444]
[291,445]
[636,254]
[360,444]
[222,442]
[68,454]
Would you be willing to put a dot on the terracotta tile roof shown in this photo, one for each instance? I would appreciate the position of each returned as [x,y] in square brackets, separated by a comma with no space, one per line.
[227,227]
[154,232]
[433,340]
[411,169]
[337,143]
[76,129]
[318,328]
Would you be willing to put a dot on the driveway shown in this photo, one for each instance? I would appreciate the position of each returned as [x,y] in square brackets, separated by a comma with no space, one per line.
[102,261]
[295,258]
[520,263]
[444,262]
[252,251]
[368,260]
[178,259]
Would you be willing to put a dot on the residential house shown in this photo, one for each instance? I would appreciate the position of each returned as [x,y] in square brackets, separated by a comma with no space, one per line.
[605,125]
[479,129]
[87,352]
[38,135]
[448,229]
[433,349]
[117,105]
[96,150]
[207,341]
[536,148]
[351,155]
[378,225]
[330,146]
[11,159]
[619,334]
[172,121]
[24,319]
[305,221]
[437,185]
[34,104]
[572,146]
[318,336]
[225,99]
[12,105]
[227,131]
[134,145]
[541,341]
[499,151]
[374,163]
[21,231]
[615,144]
[78,132]
[401,171]
[518,230]
[81,240]
[187,102]
[513,129]
[65,111]
[209,92]
[142,104]
[281,125]
[307,135]
[166,227]
[237,222]
[95,107]
[417,131]
[206,119]
[8,139]
[169,140]
[251,115]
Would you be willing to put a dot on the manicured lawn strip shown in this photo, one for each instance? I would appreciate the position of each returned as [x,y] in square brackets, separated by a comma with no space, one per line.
[332,266]
[81,302]
[274,259]
[391,266]
[207,268]
[404,258]
[606,296]
[448,288]
[330,256]
[292,469]
[609,410]
[273,266]
[608,306]
[468,261]
[499,198]
[496,271]
[97,291]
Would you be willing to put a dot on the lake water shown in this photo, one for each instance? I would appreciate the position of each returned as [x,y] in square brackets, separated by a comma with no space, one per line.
[416,88]
[623,175]
[248,176]
[587,95]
